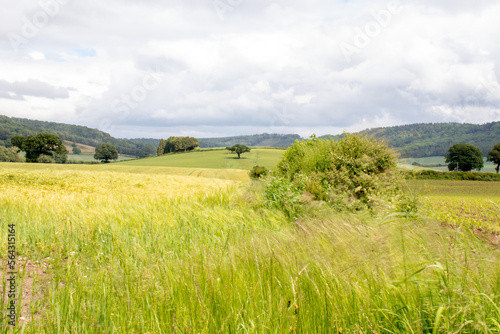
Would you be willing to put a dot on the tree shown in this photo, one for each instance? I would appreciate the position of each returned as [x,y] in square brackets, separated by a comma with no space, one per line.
[176,144]
[238,149]
[76,150]
[494,156]
[105,153]
[47,144]
[161,148]
[464,158]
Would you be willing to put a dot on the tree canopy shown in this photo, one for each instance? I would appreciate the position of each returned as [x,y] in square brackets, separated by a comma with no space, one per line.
[494,156]
[239,149]
[47,144]
[105,153]
[464,158]
[178,144]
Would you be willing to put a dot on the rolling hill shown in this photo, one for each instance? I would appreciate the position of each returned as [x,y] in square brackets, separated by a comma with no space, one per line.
[411,141]
[11,126]
[434,139]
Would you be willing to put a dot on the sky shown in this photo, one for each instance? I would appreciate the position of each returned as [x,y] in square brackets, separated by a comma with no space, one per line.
[211,68]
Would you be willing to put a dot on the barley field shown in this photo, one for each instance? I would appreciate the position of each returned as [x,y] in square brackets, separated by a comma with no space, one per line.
[123,249]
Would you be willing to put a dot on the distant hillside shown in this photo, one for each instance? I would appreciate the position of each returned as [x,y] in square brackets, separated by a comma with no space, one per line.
[434,139]
[263,140]
[11,126]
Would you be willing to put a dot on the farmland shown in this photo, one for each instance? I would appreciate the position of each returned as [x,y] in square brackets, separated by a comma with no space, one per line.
[132,249]
[220,159]
[437,163]
[462,203]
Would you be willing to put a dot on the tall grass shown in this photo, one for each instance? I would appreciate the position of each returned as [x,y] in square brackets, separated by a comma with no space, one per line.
[154,253]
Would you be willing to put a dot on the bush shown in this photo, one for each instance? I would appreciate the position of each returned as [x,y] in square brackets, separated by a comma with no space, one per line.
[429,174]
[45,159]
[258,172]
[282,194]
[10,155]
[353,173]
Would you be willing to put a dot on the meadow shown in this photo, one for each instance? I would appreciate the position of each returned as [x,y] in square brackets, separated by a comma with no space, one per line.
[219,159]
[131,249]
[90,157]
[438,163]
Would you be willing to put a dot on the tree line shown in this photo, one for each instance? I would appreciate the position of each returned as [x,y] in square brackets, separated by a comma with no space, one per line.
[48,148]
[176,144]
[11,126]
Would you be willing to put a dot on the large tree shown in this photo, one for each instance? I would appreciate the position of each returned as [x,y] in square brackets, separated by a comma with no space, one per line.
[494,156]
[105,153]
[238,149]
[35,146]
[464,158]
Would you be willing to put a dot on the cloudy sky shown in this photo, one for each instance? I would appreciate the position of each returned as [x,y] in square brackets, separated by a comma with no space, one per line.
[210,68]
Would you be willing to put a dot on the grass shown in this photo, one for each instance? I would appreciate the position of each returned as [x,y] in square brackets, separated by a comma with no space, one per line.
[219,159]
[159,250]
[437,163]
[90,157]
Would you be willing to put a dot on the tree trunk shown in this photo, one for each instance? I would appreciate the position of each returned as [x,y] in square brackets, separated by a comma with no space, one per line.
[238,155]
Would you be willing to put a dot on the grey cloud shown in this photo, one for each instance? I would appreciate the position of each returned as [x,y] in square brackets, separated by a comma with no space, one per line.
[20,89]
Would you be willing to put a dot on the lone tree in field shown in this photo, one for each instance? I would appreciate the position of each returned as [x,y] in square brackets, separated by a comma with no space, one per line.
[47,144]
[238,149]
[76,150]
[494,156]
[464,158]
[105,153]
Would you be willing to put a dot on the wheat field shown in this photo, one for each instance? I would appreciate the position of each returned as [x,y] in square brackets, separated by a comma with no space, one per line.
[117,249]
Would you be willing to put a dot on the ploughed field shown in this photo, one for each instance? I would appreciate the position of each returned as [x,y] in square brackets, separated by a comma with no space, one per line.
[144,249]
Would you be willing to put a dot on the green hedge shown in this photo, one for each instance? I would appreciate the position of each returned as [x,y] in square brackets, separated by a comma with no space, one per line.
[464,176]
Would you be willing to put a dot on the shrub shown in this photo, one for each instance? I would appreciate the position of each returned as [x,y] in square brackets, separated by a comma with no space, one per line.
[45,159]
[282,194]
[10,155]
[353,173]
[258,172]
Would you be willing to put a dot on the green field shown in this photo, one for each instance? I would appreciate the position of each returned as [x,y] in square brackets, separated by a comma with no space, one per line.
[90,157]
[219,159]
[434,162]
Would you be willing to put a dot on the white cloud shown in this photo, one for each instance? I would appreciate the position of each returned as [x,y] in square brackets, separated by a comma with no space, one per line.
[143,69]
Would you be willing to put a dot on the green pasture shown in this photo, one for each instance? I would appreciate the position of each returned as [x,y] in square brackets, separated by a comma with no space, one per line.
[218,159]
[437,163]
[90,157]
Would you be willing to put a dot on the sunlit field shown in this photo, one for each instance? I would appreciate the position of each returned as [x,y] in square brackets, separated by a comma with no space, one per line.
[462,203]
[119,249]
[220,159]
[438,163]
